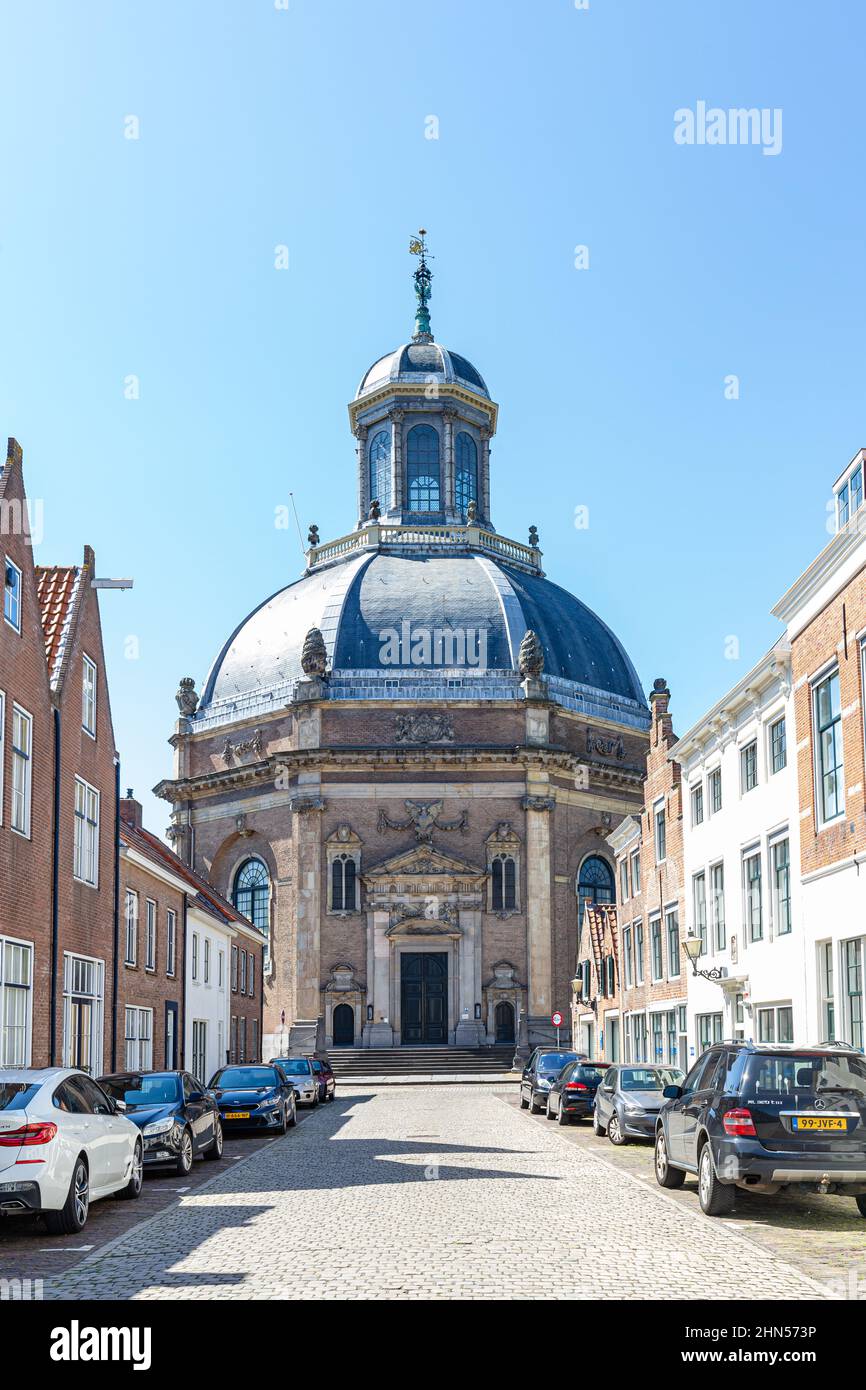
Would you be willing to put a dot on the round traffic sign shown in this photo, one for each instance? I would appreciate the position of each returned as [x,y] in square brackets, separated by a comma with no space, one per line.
[556,1020]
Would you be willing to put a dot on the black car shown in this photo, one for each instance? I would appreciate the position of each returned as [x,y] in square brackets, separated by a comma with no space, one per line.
[629,1099]
[254,1097]
[543,1067]
[176,1116]
[325,1077]
[766,1119]
[572,1094]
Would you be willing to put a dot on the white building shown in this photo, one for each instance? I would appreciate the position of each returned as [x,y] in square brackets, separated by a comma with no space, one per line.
[208,953]
[741,858]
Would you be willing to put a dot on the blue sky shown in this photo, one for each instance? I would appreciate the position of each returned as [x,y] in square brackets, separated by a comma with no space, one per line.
[306,127]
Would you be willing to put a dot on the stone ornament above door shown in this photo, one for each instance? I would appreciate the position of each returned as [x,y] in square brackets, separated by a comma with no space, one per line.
[423,819]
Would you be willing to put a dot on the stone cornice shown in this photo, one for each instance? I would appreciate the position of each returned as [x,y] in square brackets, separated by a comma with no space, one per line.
[287,764]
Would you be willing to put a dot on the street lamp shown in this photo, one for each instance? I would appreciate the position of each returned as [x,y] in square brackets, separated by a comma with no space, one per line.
[693,947]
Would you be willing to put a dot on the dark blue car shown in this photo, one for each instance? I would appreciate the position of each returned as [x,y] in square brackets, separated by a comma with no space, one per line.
[177,1118]
[254,1097]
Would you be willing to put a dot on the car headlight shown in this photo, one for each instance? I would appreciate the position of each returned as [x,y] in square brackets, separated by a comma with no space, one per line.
[631,1109]
[270,1104]
[543,1083]
[158,1127]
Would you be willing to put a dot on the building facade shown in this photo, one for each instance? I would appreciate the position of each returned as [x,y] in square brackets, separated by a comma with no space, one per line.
[402,767]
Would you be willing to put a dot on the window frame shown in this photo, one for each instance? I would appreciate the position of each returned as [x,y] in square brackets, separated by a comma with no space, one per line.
[89,695]
[775,845]
[774,744]
[748,766]
[674,944]
[660,834]
[131,899]
[18,757]
[753,856]
[150,927]
[696,798]
[170,942]
[714,780]
[818,729]
[9,563]
[85,842]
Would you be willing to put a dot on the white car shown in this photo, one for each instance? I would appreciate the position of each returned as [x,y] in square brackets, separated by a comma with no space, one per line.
[63,1145]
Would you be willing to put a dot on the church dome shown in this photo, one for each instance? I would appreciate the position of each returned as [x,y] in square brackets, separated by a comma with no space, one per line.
[414,363]
[423,626]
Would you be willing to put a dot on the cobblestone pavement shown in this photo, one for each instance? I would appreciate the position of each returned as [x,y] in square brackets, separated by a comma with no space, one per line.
[430,1193]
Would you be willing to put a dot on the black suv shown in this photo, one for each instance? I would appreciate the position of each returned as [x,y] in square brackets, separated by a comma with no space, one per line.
[764,1118]
[543,1067]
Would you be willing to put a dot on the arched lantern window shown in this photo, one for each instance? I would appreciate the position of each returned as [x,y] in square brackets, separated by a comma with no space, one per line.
[379,455]
[422,469]
[466,473]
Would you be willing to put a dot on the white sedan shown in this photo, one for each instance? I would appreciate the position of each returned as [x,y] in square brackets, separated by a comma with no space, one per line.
[63,1145]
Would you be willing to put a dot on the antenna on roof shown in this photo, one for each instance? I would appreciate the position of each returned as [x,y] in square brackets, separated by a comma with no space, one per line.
[298,524]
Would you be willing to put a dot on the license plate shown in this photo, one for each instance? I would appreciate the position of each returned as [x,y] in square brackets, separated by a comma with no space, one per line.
[237,1114]
[820,1122]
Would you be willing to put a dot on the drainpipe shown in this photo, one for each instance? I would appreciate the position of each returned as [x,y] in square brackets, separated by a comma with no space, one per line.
[55,870]
[116,959]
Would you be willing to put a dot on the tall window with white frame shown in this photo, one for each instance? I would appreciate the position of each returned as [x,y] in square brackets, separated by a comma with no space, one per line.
[717,900]
[503,872]
[623,881]
[85,865]
[627,957]
[749,767]
[672,927]
[170,940]
[638,953]
[131,925]
[778,745]
[699,902]
[88,697]
[656,949]
[344,883]
[660,832]
[829,761]
[150,934]
[698,803]
[635,873]
[12,595]
[16,1002]
[781,866]
[853,960]
[139,1039]
[714,782]
[22,770]
[752,898]
[826,969]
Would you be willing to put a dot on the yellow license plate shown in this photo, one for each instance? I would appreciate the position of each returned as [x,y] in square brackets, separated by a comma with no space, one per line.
[237,1114]
[820,1122]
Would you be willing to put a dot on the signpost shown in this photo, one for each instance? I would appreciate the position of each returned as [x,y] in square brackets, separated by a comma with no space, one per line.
[556,1020]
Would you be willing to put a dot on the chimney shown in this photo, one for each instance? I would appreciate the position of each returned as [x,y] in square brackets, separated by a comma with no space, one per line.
[659,700]
[130,810]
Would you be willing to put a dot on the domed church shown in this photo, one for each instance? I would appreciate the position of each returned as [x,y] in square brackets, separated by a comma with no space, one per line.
[403,766]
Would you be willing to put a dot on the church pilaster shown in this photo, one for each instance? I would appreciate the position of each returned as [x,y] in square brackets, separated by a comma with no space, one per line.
[538,805]
[396,418]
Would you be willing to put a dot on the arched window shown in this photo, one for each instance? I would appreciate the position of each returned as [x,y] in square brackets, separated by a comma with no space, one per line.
[343,884]
[252,896]
[422,469]
[595,884]
[379,455]
[466,473]
[504,871]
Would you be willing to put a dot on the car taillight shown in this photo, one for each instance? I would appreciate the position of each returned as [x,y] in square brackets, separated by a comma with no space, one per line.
[28,1134]
[739,1122]
[575,1086]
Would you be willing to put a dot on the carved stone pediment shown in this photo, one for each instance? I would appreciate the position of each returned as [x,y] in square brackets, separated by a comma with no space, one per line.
[342,980]
[422,862]
[423,926]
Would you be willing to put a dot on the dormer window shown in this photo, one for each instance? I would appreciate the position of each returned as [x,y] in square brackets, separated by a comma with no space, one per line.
[422,469]
[380,469]
[849,493]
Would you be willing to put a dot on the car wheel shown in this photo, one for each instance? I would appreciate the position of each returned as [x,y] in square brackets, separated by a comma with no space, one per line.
[861,1205]
[666,1176]
[548,1113]
[524,1103]
[332,1095]
[715,1198]
[216,1149]
[184,1158]
[72,1216]
[534,1107]
[284,1121]
[315,1100]
[293,1117]
[562,1114]
[596,1127]
[136,1177]
[615,1132]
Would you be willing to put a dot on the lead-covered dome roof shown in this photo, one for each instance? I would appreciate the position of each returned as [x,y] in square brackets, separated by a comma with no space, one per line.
[357,600]
[416,362]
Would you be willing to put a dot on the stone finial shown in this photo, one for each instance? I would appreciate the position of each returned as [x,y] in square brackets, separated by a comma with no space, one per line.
[375,510]
[313,535]
[187,699]
[314,657]
[660,689]
[530,660]
[472,512]
[533,537]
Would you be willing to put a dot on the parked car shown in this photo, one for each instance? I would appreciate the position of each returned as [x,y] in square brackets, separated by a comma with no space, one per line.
[325,1077]
[299,1071]
[572,1093]
[256,1096]
[765,1119]
[63,1144]
[177,1117]
[629,1099]
[543,1067]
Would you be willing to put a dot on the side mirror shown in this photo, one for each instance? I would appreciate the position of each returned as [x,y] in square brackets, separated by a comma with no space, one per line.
[120,1107]
[672,1092]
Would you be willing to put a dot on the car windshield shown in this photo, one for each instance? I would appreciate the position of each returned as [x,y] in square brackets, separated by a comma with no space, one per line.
[641,1079]
[296,1066]
[555,1061]
[138,1092]
[14,1095]
[805,1075]
[245,1078]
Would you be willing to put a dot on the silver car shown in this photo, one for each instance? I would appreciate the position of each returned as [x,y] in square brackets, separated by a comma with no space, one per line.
[629,1099]
[299,1073]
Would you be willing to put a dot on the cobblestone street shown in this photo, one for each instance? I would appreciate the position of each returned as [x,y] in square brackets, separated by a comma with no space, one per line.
[446,1192]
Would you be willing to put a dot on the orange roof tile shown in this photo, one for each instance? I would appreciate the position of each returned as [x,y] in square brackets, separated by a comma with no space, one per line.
[56,586]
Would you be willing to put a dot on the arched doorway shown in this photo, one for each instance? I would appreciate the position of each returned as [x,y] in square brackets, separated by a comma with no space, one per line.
[344,1026]
[504,1019]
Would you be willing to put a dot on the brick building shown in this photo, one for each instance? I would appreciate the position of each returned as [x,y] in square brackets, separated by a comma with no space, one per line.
[825,616]
[402,766]
[631,969]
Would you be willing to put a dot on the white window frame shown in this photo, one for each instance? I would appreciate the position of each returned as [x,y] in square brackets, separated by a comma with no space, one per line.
[149,934]
[2,748]
[634,860]
[656,923]
[696,801]
[96,998]
[206,960]
[659,809]
[815,685]
[10,564]
[7,1057]
[783,838]
[88,695]
[170,941]
[827,987]
[714,772]
[22,756]
[130,956]
[85,848]
[194,956]
[138,1038]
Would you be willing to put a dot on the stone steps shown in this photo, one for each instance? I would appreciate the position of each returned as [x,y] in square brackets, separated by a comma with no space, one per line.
[419,1061]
